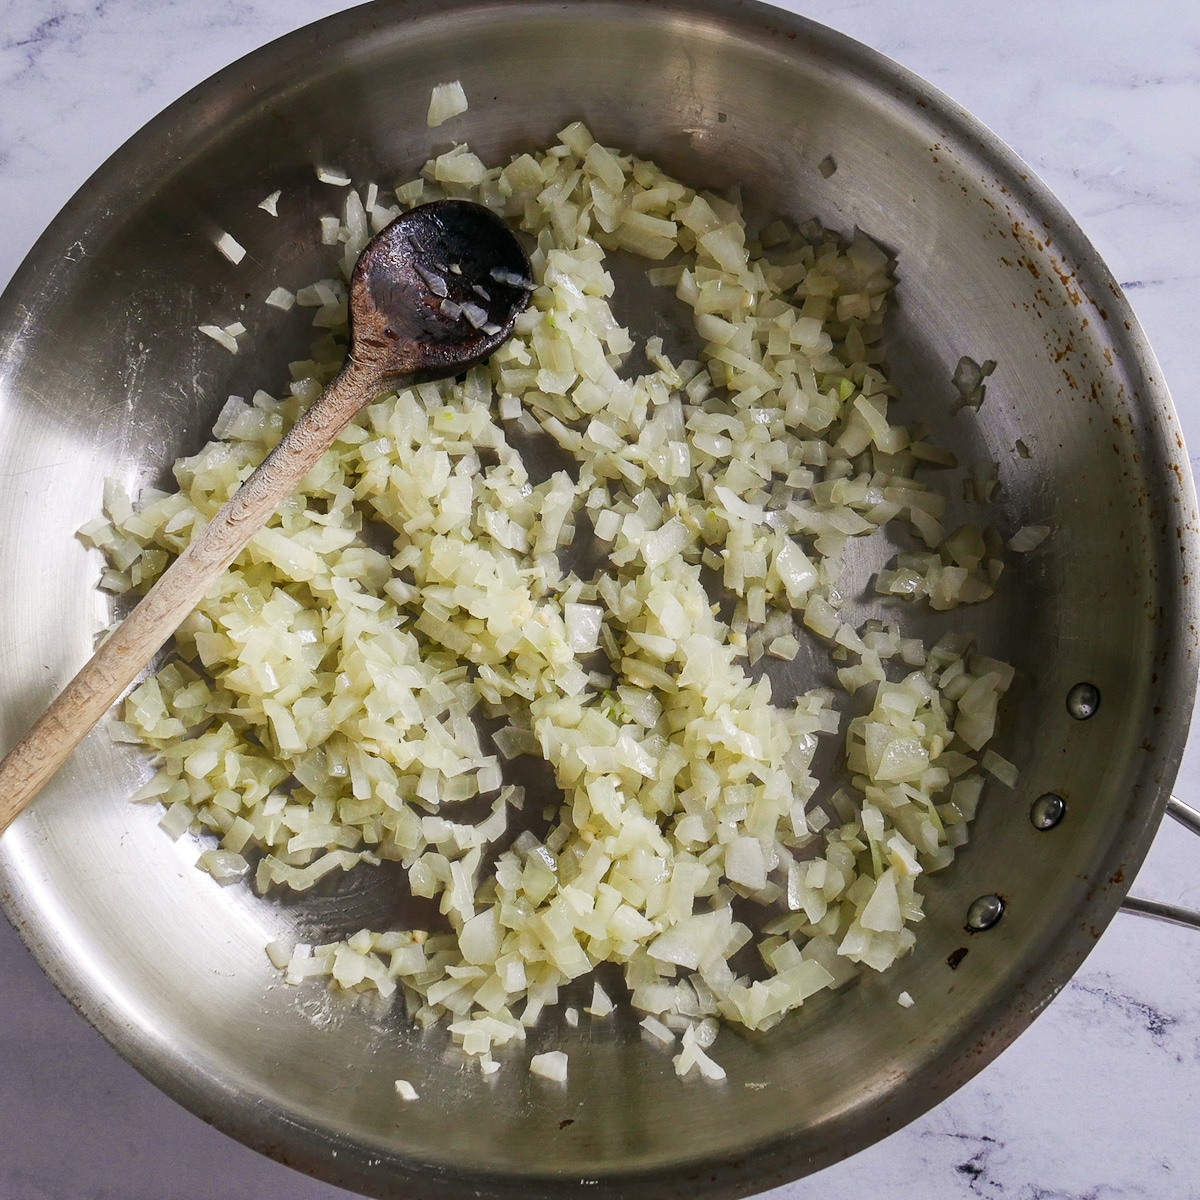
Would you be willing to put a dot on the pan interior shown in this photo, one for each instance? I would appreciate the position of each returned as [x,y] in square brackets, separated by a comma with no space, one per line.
[103,374]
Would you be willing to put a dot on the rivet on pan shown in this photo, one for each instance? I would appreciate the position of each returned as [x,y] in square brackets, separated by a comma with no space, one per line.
[1083,700]
[984,913]
[1046,811]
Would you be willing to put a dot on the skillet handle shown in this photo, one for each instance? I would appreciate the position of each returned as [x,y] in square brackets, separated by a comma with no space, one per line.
[1185,814]
[1189,817]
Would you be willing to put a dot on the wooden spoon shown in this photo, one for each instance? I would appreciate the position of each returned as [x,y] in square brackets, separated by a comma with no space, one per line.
[434,293]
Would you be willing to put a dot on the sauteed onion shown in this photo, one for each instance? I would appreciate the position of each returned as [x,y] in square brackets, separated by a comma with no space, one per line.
[342,698]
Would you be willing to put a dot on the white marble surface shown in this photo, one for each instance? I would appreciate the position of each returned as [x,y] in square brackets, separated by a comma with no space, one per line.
[1097,1100]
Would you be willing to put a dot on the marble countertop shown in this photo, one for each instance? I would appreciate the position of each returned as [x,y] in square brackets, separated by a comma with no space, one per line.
[1101,98]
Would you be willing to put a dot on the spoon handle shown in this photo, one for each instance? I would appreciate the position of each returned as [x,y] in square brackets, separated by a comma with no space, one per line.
[29,765]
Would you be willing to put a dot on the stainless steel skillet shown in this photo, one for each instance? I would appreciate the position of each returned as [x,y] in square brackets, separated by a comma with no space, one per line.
[1104,601]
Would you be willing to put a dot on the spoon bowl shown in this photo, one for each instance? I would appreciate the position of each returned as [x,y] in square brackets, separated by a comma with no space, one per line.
[436,291]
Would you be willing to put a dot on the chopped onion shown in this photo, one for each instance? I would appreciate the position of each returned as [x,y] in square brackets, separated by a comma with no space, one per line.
[223,865]
[551,1065]
[474,313]
[1000,767]
[658,1031]
[334,176]
[356,680]
[221,336]
[601,1005]
[280,297]
[231,248]
[445,101]
[1028,537]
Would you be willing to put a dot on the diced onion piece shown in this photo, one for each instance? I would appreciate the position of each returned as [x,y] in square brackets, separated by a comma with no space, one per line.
[280,954]
[797,572]
[551,1065]
[1000,768]
[583,623]
[231,248]
[220,336]
[1028,537]
[176,820]
[445,101]
[601,1005]
[785,647]
[223,865]
[657,1031]
[280,297]
[882,913]
[692,1056]
[664,543]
